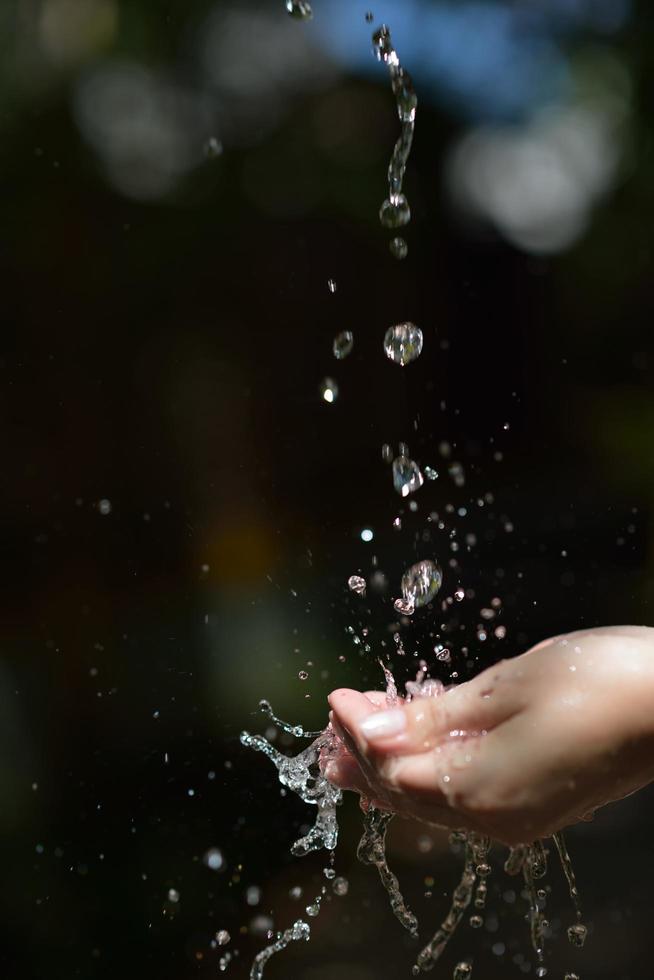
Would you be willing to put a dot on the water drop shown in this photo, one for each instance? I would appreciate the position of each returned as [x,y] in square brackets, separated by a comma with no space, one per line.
[421,582]
[313,909]
[367,534]
[476,921]
[395,212]
[431,473]
[300,9]
[459,595]
[331,285]
[357,584]
[405,606]
[214,859]
[483,869]
[341,886]
[222,937]
[104,506]
[457,473]
[173,895]
[407,477]
[403,343]
[462,971]
[302,674]
[387,453]
[369,16]
[329,390]
[213,147]
[577,934]
[399,248]
[571,976]
[343,344]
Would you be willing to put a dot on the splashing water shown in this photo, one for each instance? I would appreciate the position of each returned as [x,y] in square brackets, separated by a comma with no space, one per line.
[303,774]
[372,851]
[395,210]
[299,930]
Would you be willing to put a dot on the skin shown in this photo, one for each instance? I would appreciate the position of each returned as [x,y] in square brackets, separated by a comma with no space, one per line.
[528,747]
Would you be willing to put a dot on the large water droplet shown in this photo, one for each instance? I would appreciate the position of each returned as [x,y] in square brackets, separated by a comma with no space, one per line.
[222,937]
[399,248]
[395,211]
[357,584]
[341,886]
[577,934]
[407,477]
[343,344]
[421,582]
[403,343]
[329,390]
[462,971]
[300,9]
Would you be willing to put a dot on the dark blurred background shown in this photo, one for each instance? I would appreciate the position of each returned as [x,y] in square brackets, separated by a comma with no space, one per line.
[181,509]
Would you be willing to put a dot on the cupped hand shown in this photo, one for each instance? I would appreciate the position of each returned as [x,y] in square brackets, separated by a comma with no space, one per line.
[526,748]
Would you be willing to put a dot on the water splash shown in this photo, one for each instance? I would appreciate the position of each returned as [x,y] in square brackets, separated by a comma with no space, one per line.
[395,210]
[461,898]
[299,930]
[372,851]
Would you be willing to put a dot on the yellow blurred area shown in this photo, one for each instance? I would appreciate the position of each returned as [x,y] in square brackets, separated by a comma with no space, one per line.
[70,31]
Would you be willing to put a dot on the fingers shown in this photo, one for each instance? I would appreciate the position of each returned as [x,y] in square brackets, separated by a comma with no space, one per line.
[422,724]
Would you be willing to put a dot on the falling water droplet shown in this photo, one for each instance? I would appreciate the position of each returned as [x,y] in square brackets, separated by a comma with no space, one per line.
[340,886]
[571,976]
[222,937]
[462,971]
[421,582]
[395,213]
[332,285]
[476,921]
[300,9]
[104,506]
[403,343]
[213,147]
[302,674]
[367,534]
[405,606]
[343,344]
[407,477]
[459,595]
[173,895]
[387,453]
[431,473]
[399,248]
[369,16]
[577,934]
[357,584]
[329,390]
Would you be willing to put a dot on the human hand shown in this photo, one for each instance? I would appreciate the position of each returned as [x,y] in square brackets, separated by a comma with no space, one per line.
[526,748]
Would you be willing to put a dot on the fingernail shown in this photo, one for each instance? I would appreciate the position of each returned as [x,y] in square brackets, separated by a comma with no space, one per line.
[383,724]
